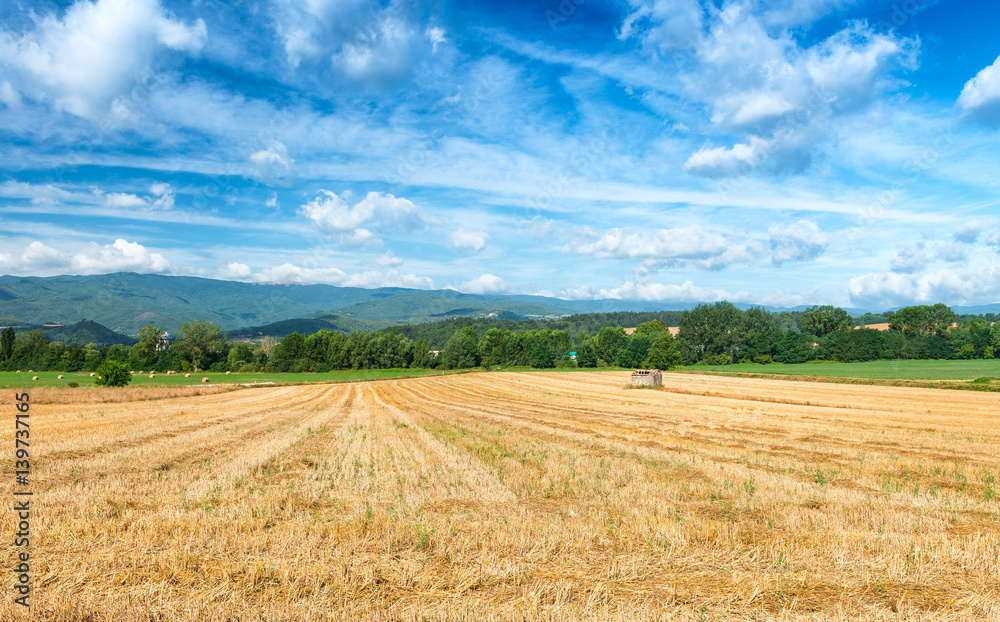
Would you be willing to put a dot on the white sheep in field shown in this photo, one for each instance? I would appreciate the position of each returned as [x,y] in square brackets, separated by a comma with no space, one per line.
[59,377]
[187,375]
[152,375]
[92,374]
[34,377]
[205,379]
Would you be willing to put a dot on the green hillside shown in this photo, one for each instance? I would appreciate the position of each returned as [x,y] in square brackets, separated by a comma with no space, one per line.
[80,334]
[125,302]
[308,326]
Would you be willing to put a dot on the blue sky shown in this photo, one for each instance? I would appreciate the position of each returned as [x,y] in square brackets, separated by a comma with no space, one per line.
[770,152]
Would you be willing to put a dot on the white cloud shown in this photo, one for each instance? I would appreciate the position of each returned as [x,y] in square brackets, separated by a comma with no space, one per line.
[164,195]
[161,197]
[887,289]
[122,256]
[663,24]
[89,59]
[691,244]
[799,241]
[723,162]
[436,36]
[373,46]
[759,78]
[381,54]
[124,200]
[335,276]
[38,194]
[980,97]
[235,271]
[388,260]
[332,214]
[909,259]
[484,284]
[273,165]
[273,201]
[636,290]
[41,260]
[969,232]
[465,240]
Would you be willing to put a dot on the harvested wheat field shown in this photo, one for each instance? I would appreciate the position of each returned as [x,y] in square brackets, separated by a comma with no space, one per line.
[519,496]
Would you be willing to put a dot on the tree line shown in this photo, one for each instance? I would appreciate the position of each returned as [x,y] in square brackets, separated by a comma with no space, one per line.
[715,334]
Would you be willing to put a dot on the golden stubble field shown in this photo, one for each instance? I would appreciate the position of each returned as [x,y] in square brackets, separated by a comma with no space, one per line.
[517,496]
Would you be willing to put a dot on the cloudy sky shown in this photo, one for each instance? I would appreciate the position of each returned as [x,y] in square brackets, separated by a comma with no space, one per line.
[780,152]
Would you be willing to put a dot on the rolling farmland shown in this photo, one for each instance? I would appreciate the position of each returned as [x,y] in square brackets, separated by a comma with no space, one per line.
[518,496]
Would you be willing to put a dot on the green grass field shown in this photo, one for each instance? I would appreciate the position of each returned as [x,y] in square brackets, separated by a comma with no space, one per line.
[876,370]
[50,378]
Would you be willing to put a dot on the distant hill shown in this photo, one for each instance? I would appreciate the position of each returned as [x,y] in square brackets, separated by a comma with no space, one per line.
[307,326]
[125,302]
[81,333]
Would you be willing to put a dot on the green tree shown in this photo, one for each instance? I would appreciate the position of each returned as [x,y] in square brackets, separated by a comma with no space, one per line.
[585,356]
[150,344]
[6,343]
[823,320]
[995,338]
[922,320]
[200,340]
[239,356]
[542,356]
[462,349]
[634,352]
[712,329]
[650,329]
[663,353]
[607,343]
[113,374]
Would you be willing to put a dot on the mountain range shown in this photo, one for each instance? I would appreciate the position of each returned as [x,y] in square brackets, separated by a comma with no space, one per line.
[125,302]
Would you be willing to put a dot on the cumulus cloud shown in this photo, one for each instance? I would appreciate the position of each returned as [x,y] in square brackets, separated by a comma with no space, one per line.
[663,24]
[235,271]
[465,240]
[980,97]
[799,241]
[759,77]
[637,290]
[388,260]
[86,61]
[290,273]
[371,46]
[333,214]
[886,289]
[161,196]
[272,165]
[909,259]
[123,256]
[484,284]
[969,232]
[671,247]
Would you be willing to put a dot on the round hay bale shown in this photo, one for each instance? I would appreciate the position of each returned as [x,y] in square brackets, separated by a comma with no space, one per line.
[205,379]
[34,377]
[187,375]
[59,377]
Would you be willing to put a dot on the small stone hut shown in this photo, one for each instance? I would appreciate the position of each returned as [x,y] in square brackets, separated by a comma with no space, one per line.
[647,378]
